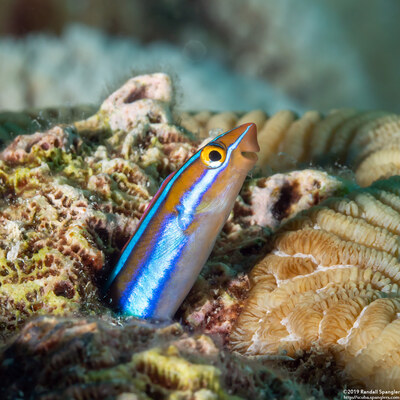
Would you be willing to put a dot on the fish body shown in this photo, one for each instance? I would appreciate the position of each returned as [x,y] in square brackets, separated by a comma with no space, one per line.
[175,236]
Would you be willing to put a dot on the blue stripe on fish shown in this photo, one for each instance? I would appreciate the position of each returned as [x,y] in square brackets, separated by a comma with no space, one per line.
[157,266]
[143,224]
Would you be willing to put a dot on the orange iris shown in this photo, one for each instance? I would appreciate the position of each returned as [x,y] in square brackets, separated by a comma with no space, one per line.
[213,155]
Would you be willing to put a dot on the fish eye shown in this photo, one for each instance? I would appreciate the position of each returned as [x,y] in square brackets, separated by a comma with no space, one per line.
[213,155]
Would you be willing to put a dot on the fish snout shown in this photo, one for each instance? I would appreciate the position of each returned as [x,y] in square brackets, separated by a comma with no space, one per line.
[248,145]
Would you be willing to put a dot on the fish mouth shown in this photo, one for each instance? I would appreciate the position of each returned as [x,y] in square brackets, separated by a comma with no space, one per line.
[250,155]
[249,145]
[243,141]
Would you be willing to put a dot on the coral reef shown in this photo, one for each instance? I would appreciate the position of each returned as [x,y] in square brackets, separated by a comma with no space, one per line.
[305,66]
[81,358]
[283,56]
[29,121]
[263,205]
[344,137]
[73,193]
[305,63]
[72,196]
[331,282]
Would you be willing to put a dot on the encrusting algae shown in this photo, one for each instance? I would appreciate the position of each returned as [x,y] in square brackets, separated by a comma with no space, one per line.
[72,195]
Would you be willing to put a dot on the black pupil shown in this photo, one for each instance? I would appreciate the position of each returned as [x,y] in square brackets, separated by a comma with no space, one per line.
[215,155]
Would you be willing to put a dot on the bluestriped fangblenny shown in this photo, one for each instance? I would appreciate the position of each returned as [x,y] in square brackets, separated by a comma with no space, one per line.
[176,234]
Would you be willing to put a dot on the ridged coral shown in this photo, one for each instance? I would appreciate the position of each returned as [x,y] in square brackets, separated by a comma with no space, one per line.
[368,142]
[331,282]
[215,301]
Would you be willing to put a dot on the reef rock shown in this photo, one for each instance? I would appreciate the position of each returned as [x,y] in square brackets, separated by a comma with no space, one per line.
[73,194]
[84,358]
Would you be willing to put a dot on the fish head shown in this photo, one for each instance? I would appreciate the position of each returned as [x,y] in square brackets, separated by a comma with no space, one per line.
[212,178]
[221,167]
[234,150]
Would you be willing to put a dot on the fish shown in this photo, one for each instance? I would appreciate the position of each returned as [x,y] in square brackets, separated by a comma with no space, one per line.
[177,232]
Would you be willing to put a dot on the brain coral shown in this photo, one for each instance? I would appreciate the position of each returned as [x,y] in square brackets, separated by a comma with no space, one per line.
[73,194]
[368,142]
[331,282]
